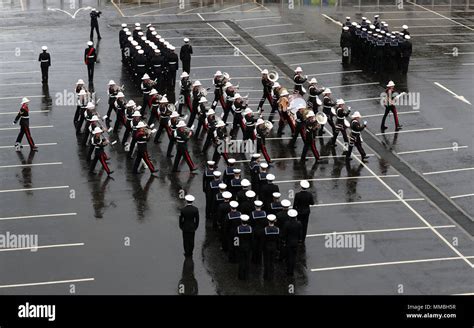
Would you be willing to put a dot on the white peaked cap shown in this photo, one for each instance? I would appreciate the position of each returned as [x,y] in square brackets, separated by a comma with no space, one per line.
[244,217]
[141,51]
[120,94]
[94,118]
[186,40]
[227,195]
[271,217]
[237,171]
[90,43]
[245,183]
[407,37]
[210,163]
[231,160]
[44,48]
[405,27]
[313,80]
[189,198]
[356,115]
[250,194]
[80,81]
[218,73]
[270,177]
[292,213]
[97,130]
[304,184]
[285,203]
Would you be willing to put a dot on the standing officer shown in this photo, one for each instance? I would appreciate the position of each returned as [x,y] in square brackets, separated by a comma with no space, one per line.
[271,239]
[303,201]
[95,23]
[390,107]
[90,57]
[292,234]
[355,139]
[243,238]
[346,45]
[188,223]
[24,117]
[172,64]
[185,55]
[45,60]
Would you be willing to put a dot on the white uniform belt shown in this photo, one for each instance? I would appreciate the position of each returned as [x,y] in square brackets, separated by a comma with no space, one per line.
[90,56]
[44,60]
[141,142]
[172,63]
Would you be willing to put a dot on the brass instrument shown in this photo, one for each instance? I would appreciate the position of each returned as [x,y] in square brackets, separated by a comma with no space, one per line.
[268,127]
[273,76]
[321,118]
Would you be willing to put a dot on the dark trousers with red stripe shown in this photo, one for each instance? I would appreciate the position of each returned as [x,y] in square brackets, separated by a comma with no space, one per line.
[216,157]
[389,109]
[187,102]
[146,157]
[182,151]
[218,97]
[299,129]
[227,110]
[121,120]
[238,121]
[310,144]
[100,156]
[285,117]
[263,149]
[163,126]
[25,130]
[262,101]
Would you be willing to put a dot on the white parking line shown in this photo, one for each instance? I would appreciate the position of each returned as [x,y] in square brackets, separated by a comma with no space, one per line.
[279,34]
[33,189]
[461,196]
[302,52]
[332,20]
[30,72]
[13,27]
[449,171]
[30,165]
[337,178]
[43,144]
[219,56]
[409,131]
[458,53]
[13,51]
[37,216]
[378,230]
[316,62]
[19,98]
[399,113]
[42,283]
[264,26]
[446,43]
[156,10]
[204,37]
[31,127]
[432,149]
[18,61]
[442,34]
[41,247]
[381,201]
[332,73]
[436,13]
[392,263]
[296,158]
[291,42]
[24,83]
[468,64]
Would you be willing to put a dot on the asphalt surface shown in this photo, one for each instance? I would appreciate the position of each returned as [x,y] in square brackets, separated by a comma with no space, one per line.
[87,219]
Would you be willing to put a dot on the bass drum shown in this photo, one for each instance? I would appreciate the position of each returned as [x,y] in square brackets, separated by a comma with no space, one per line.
[297,103]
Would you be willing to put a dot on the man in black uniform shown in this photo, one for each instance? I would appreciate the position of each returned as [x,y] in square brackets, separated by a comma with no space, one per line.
[188,223]
[303,201]
[270,241]
[313,92]
[45,60]
[156,63]
[346,45]
[185,55]
[341,114]
[267,90]
[172,64]
[90,57]
[292,234]
[244,237]
[141,139]
[94,23]
[355,138]
[223,210]
[267,190]
[24,118]
[311,131]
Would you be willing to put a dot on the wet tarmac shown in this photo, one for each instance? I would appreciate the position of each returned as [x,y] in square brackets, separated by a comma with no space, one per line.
[120,235]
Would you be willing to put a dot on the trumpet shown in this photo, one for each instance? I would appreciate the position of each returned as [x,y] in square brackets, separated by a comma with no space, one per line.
[273,76]
[226,76]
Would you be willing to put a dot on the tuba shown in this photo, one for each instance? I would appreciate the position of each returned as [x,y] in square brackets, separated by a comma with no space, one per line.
[321,118]
[273,76]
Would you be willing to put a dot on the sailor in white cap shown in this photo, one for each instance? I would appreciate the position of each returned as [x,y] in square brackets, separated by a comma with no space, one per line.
[99,142]
[230,224]
[141,138]
[211,180]
[261,177]
[355,139]
[275,205]
[346,45]
[157,63]
[181,136]
[45,61]
[185,55]
[172,66]
[218,199]
[185,88]
[266,191]
[90,57]
[246,206]
[405,30]
[189,223]
[95,14]
[292,235]
[348,21]
[389,101]
[302,203]
[258,221]
[244,235]
[220,217]
[254,167]
[282,217]
[235,182]
[270,241]
[267,85]
[24,117]
[229,171]
[123,40]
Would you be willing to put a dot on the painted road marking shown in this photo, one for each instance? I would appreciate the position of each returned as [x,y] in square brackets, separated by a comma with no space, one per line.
[30,165]
[41,247]
[408,131]
[34,189]
[378,230]
[37,216]
[42,283]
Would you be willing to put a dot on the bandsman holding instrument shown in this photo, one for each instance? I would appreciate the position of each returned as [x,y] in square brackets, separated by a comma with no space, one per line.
[24,118]
[390,99]
[355,139]
[284,111]
[181,136]
[99,142]
[142,136]
[313,92]
[341,114]
[219,82]
[311,131]
[263,129]
[112,92]
[328,104]
[219,140]
[238,107]
[229,91]
[184,98]
[268,79]
[299,80]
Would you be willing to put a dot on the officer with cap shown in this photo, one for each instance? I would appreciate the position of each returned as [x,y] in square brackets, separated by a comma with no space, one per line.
[24,118]
[282,215]
[45,61]
[270,244]
[240,196]
[156,63]
[172,65]
[90,57]
[232,221]
[267,190]
[258,221]
[247,205]
[254,167]
[243,238]
[222,211]
[189,223]
[405,30]
[229,171]
[292,234]
[346,45]
[208,176]
[185,55]
[261,178]
[95,23]
[275,205]
[303,200]
[218,199]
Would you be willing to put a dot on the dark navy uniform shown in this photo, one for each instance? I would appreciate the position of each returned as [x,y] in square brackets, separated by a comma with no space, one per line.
[244,233]
[258,222]
[189,223]
[185,56]
[271,240]
[292,234]
[95,23]
[45,60]
[303,200]
[355,139]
